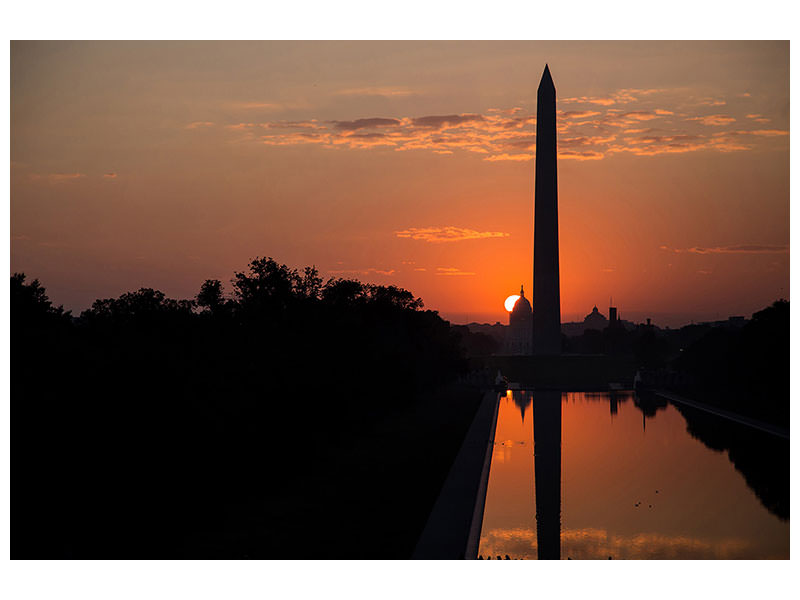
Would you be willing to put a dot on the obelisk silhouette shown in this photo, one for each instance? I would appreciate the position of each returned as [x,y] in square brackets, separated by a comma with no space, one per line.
[546,294]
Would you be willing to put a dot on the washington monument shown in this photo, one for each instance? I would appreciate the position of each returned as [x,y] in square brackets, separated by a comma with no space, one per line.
[546,294]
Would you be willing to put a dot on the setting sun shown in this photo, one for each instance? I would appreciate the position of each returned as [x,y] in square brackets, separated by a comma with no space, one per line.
[510,302]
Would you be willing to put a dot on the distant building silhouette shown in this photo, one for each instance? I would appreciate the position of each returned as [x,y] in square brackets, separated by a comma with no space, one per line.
[546,286]
[520,327]
[595,320]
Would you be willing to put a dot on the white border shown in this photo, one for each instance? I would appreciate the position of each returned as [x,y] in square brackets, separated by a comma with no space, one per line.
[414,19]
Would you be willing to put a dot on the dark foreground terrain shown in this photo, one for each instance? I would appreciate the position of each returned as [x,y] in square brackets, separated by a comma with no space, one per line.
[288,419]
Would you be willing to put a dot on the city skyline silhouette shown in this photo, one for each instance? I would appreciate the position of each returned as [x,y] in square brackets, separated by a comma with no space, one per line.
[405,180]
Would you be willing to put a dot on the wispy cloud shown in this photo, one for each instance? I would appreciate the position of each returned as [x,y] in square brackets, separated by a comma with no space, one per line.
[506,156]
[713,120]
[447,234]
[57,177]
[366,123]
[199,125]
[368,271]
[454,271]
[579,114]
[737,249]
[642,122]
[442,121]
[109,175]
[762,132]
[711,102]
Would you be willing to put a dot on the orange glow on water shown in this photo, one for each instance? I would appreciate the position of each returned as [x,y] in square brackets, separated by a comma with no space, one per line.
[611,460]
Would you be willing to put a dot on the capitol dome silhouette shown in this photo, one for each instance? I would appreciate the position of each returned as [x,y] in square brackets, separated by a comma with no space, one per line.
[520,327]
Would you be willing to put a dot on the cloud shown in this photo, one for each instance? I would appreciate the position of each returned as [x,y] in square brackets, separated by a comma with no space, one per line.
[579,114]
[438,235]
[712,102]
[580,155]
[639,115]
[109,175]
[440,122]
[420,269]
[623,96]
[764,132]
[57,177]
[713,120]
[452,271]
[506,156]
[368,271]
[737,249]
[589,100]
[594,132]
[199,124]
[366,123]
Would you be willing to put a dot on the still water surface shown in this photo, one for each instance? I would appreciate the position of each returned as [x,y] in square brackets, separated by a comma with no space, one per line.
[626,479]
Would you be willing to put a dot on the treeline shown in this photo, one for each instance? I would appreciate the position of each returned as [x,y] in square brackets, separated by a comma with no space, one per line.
[155,427]
[745,370]
[742,368]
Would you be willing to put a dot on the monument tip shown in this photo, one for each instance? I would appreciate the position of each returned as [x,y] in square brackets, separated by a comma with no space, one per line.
[547,79]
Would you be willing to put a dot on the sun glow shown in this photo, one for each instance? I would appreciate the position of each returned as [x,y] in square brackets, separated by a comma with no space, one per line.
[510,302]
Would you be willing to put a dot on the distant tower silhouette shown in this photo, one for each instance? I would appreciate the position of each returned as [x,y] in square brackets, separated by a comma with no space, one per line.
[546,293]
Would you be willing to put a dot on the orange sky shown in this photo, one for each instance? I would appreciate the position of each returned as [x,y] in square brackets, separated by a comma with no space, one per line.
[409,163]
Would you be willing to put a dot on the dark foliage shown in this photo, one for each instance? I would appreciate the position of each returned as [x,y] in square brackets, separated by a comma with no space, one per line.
[745,370]
[228,427]
[476,344]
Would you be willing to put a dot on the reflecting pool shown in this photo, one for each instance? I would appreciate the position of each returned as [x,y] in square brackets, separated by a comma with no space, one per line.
[627,477]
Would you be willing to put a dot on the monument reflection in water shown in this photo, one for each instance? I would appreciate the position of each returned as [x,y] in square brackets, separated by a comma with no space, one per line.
[547,462]
[613,475]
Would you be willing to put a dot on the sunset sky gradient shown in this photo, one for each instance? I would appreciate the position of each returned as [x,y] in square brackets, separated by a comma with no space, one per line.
[410,163]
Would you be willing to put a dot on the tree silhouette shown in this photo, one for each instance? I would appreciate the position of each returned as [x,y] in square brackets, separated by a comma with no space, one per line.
[210,296]
[158,427]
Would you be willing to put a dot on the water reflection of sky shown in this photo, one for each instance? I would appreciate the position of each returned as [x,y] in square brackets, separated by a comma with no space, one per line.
[631,487]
